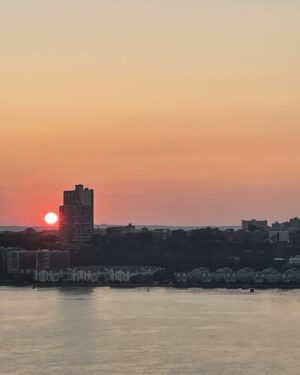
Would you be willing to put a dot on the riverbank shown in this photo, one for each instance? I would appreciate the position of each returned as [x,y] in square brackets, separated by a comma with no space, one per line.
[161,285]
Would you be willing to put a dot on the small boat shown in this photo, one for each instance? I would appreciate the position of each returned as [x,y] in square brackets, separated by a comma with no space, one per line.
[251,290]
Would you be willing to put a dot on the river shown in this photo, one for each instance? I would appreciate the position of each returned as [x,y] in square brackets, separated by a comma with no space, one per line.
[83,330]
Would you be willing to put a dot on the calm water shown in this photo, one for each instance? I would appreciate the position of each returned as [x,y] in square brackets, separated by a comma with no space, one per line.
[166,331]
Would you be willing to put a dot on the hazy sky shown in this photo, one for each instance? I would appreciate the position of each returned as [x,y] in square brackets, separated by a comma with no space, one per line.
[175,112]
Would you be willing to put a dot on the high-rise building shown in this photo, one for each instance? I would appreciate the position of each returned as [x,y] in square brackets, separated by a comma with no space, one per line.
[76,217]
[258,224]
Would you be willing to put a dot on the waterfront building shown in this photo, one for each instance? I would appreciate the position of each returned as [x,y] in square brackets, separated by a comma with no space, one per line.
[259,277]
[20,261]
[76,217]
[43,259]
[3,261]
[245,275]
[181,277]
[201,274]
[271,275]
[225,274]
[294,261]
[291,275]
[48,259]
[24,262]
[13,261]
[94,274]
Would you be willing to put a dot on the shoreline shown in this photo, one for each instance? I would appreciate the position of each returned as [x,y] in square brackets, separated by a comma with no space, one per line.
[161,285]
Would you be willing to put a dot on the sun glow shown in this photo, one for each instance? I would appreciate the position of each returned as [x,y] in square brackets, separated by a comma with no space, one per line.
[51,218]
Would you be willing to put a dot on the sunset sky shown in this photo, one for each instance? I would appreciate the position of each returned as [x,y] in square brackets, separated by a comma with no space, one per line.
[176,112]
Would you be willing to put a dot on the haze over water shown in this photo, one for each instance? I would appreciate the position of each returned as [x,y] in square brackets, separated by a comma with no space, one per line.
[166,331]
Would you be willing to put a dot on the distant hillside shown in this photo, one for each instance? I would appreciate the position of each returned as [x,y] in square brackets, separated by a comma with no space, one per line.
[171,227]
[16,228]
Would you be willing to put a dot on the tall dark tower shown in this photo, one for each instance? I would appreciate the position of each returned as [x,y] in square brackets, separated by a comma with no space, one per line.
[76,217]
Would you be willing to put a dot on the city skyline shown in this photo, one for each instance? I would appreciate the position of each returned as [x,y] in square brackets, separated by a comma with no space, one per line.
[176,113]
[75,219]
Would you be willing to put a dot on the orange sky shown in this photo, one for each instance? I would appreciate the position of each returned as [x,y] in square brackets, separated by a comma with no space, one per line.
[175,112]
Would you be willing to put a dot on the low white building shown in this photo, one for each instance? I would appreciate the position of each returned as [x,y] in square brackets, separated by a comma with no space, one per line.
[271,275]
[225,274]
[245,274]
[291,275]
[94,274]
[259,277]
[201,274]
[294,261]
[119,275]
[181,277]
[47,276]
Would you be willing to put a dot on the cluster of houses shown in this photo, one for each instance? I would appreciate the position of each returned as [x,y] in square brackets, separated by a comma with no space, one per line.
[244,275]
[112,274]
[96,274]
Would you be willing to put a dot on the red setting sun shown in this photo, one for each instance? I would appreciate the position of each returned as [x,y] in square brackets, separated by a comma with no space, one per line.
[51,218]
